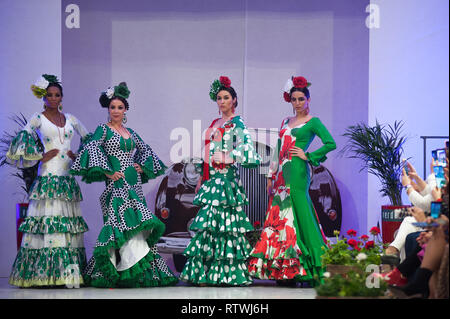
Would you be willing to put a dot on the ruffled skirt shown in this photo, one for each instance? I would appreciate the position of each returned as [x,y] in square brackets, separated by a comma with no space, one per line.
[218,252]
[52,252]
[125,254]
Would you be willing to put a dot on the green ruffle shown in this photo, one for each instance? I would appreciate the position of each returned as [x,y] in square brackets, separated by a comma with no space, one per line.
[311,260]
[230,272]
[315,160]
[47,266]
[142,274]
[56,187]
[53,224]
[218,246]
[220,191]
[25,149]
[148,170]
[101,253]
[93,174]
[222,219]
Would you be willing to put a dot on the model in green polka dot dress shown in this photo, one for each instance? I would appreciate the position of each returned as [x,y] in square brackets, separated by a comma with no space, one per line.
[218,252]
[125,254]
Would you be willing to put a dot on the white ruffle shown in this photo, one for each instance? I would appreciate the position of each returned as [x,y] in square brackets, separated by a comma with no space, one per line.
[131,252]
[53,207]
[67,240]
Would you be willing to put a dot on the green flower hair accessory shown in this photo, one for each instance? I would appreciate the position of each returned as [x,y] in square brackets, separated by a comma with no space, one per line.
[121,90]
[50,78]
[39,88]
[223,81]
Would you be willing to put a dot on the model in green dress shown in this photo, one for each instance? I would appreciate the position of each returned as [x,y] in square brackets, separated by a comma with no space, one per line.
[292,240]
[125,254]
[218,252]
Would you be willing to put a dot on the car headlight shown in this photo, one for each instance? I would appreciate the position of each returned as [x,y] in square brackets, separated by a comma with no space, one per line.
[190,174]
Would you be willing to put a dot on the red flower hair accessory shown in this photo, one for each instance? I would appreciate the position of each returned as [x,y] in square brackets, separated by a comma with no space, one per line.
[298,82]
[225,81]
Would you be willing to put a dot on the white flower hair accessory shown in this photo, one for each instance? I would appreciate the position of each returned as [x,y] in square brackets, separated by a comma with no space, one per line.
[40,87]
[109,92]
[42,83]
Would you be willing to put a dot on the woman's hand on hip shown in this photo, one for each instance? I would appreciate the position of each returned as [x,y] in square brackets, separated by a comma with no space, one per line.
[297,151]
[49,155]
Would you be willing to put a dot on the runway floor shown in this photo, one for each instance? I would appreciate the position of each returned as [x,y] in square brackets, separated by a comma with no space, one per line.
[260,289]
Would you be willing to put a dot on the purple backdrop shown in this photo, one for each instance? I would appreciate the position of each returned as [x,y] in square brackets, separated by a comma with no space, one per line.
[169,53]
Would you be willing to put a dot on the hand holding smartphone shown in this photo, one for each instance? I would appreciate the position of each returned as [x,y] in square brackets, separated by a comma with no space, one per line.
[405,166]
[435,209]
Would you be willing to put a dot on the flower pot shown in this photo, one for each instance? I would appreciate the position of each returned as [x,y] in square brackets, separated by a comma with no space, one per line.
[342,269]
[21,213]
[391,218]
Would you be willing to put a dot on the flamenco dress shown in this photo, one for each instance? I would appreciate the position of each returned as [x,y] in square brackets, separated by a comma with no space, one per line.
[125,254]
[52,251]
[217,254]
[292,241]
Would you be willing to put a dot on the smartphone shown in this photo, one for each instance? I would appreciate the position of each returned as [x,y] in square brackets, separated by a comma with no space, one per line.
[425,225]
[439,173]
[405,166]
[439,156]
[435,209]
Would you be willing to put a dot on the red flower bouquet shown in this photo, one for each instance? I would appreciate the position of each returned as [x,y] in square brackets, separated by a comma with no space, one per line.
[351,232]
[374,231]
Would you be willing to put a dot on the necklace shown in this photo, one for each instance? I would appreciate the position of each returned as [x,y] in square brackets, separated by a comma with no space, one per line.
[64,129]
[121,130]
[58,127]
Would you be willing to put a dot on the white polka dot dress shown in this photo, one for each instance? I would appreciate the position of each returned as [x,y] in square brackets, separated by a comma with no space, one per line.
[218,252]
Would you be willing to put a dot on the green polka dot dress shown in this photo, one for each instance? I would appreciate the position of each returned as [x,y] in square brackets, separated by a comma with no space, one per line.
[125,254]
[217,253]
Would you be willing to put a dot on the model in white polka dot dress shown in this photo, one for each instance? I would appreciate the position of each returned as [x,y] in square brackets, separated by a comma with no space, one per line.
[218,252]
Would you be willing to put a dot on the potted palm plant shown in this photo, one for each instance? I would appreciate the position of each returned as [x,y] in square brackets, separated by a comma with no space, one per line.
[380,149]
[26,175]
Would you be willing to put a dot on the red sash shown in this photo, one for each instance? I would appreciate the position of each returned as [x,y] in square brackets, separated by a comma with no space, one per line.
[205,176]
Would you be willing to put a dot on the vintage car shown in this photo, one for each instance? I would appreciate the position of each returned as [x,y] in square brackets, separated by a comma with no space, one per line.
[173,204]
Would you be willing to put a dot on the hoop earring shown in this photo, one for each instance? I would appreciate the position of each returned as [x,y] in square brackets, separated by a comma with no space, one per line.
[124,120]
